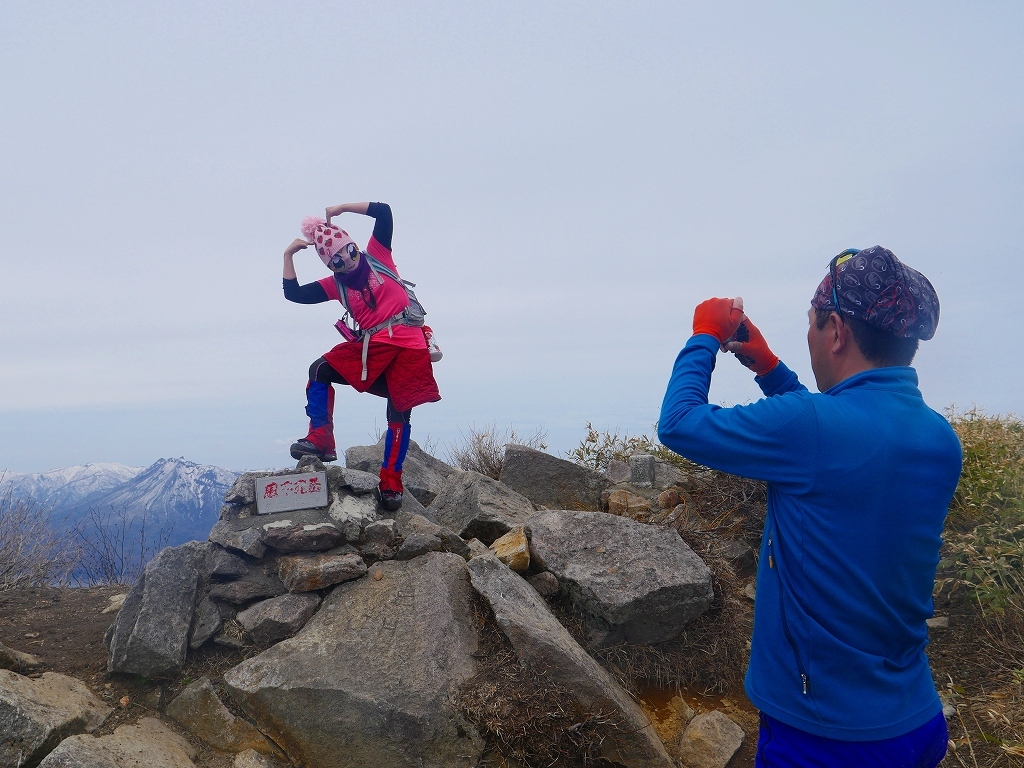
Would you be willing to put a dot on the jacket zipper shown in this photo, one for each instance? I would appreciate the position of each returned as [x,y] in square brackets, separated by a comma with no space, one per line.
[805,679]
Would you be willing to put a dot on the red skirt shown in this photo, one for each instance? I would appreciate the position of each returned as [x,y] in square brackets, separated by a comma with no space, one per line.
[405,375]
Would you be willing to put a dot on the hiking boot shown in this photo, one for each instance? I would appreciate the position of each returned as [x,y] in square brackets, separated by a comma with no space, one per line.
[391,500]
[304,447]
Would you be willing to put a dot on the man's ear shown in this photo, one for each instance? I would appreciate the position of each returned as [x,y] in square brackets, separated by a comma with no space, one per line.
[842,335]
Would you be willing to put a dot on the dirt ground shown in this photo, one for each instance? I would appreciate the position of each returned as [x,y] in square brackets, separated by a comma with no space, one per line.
[65,628]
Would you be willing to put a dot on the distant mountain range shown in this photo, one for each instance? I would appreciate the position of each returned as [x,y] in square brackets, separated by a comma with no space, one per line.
[173,494]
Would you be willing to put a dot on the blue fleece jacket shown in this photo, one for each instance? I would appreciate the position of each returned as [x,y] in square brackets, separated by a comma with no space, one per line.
[859,481]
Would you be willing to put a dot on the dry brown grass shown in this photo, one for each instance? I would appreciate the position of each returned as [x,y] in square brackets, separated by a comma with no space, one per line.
[33,553]
[483,450]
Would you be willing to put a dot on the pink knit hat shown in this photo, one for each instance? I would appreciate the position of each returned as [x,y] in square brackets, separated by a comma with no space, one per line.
[327,238]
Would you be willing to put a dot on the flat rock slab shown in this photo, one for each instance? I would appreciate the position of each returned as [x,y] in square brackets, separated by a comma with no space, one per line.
[370,679]
[640,583]
[542,642]
[279,617]
[477,506]
[550,481]
[200,711]
[37,713]
[355,480]
[260,582]
[305,573]
[147,744]
[710,741]
[422,475]
[151,633]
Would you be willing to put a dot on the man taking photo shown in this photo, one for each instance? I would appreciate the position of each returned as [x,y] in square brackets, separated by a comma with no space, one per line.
[859,478]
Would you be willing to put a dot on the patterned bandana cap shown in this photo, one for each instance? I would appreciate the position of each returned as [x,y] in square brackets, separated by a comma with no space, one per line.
[875,286]
[327,238]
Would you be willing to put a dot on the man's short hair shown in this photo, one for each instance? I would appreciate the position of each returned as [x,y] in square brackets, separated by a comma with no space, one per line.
[876,344]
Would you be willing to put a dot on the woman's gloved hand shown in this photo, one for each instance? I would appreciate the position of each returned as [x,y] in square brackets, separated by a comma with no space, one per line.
[718,317]
[751,349]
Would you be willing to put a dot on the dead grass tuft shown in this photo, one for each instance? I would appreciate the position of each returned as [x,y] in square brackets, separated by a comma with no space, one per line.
[483,450]
[523,712]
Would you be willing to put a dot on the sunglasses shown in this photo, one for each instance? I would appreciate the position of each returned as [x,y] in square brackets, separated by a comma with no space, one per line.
[833,270]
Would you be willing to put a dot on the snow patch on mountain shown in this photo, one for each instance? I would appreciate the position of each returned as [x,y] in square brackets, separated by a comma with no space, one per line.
[68,486]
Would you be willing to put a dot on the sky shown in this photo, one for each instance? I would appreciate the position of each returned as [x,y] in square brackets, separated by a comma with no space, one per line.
[568,180]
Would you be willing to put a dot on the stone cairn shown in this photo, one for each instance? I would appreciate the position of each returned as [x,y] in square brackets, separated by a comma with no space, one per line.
[360,621]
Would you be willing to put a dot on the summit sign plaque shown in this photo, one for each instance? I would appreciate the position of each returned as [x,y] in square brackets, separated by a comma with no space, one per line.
[283,493]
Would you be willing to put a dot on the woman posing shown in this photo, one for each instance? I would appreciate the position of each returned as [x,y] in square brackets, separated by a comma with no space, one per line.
[388,358]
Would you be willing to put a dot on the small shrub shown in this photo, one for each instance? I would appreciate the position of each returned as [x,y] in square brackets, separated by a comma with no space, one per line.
[33,552]
[483,450]
[115,546]
[598,448]
[991,484]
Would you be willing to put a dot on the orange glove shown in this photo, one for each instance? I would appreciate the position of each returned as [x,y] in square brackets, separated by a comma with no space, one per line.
[718,317]
[751,349]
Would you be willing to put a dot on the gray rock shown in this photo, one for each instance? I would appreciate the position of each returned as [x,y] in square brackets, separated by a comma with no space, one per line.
[225,565]
[380,532]
[279,617]
[477,506]
[305,573]
[422,475]
[641,470]
[200,711]
[150,634]
[235,511]
[351,514]
[260,582]
[477,548]
[36,713]
[371,678]
[740,556]
[639,583]
[245,538]
[418,544]
[540,641]
[146,744]
[355,480]
[617,471]
[937,622]
[667,475]
[250,758]
[418,524]
[552,482]
[206,624]
[19,662]
[710,741]
[546,583]
[291,536]
[310,464]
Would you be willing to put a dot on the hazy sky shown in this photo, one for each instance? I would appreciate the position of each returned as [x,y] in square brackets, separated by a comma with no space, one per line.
[568,181]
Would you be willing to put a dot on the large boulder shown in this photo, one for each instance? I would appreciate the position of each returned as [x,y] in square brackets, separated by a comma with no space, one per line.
[478,507]
[540,641]
[550,481]
[151,633]
[200,711]
[148,743]
[638,583]
[422,475]
[370,679]
[37,713]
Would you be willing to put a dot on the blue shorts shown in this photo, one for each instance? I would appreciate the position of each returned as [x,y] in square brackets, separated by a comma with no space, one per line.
[783,746]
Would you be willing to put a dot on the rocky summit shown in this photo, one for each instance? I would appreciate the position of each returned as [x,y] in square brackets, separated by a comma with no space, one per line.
[361,630]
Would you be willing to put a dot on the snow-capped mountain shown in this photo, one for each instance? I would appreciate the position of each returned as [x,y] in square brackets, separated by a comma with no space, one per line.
[173,494]
[68,486]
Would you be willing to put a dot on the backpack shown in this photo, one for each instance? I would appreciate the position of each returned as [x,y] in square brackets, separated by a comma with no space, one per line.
[412,315]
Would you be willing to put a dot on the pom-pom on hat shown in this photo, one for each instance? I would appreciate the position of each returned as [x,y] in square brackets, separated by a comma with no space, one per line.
[327,238]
